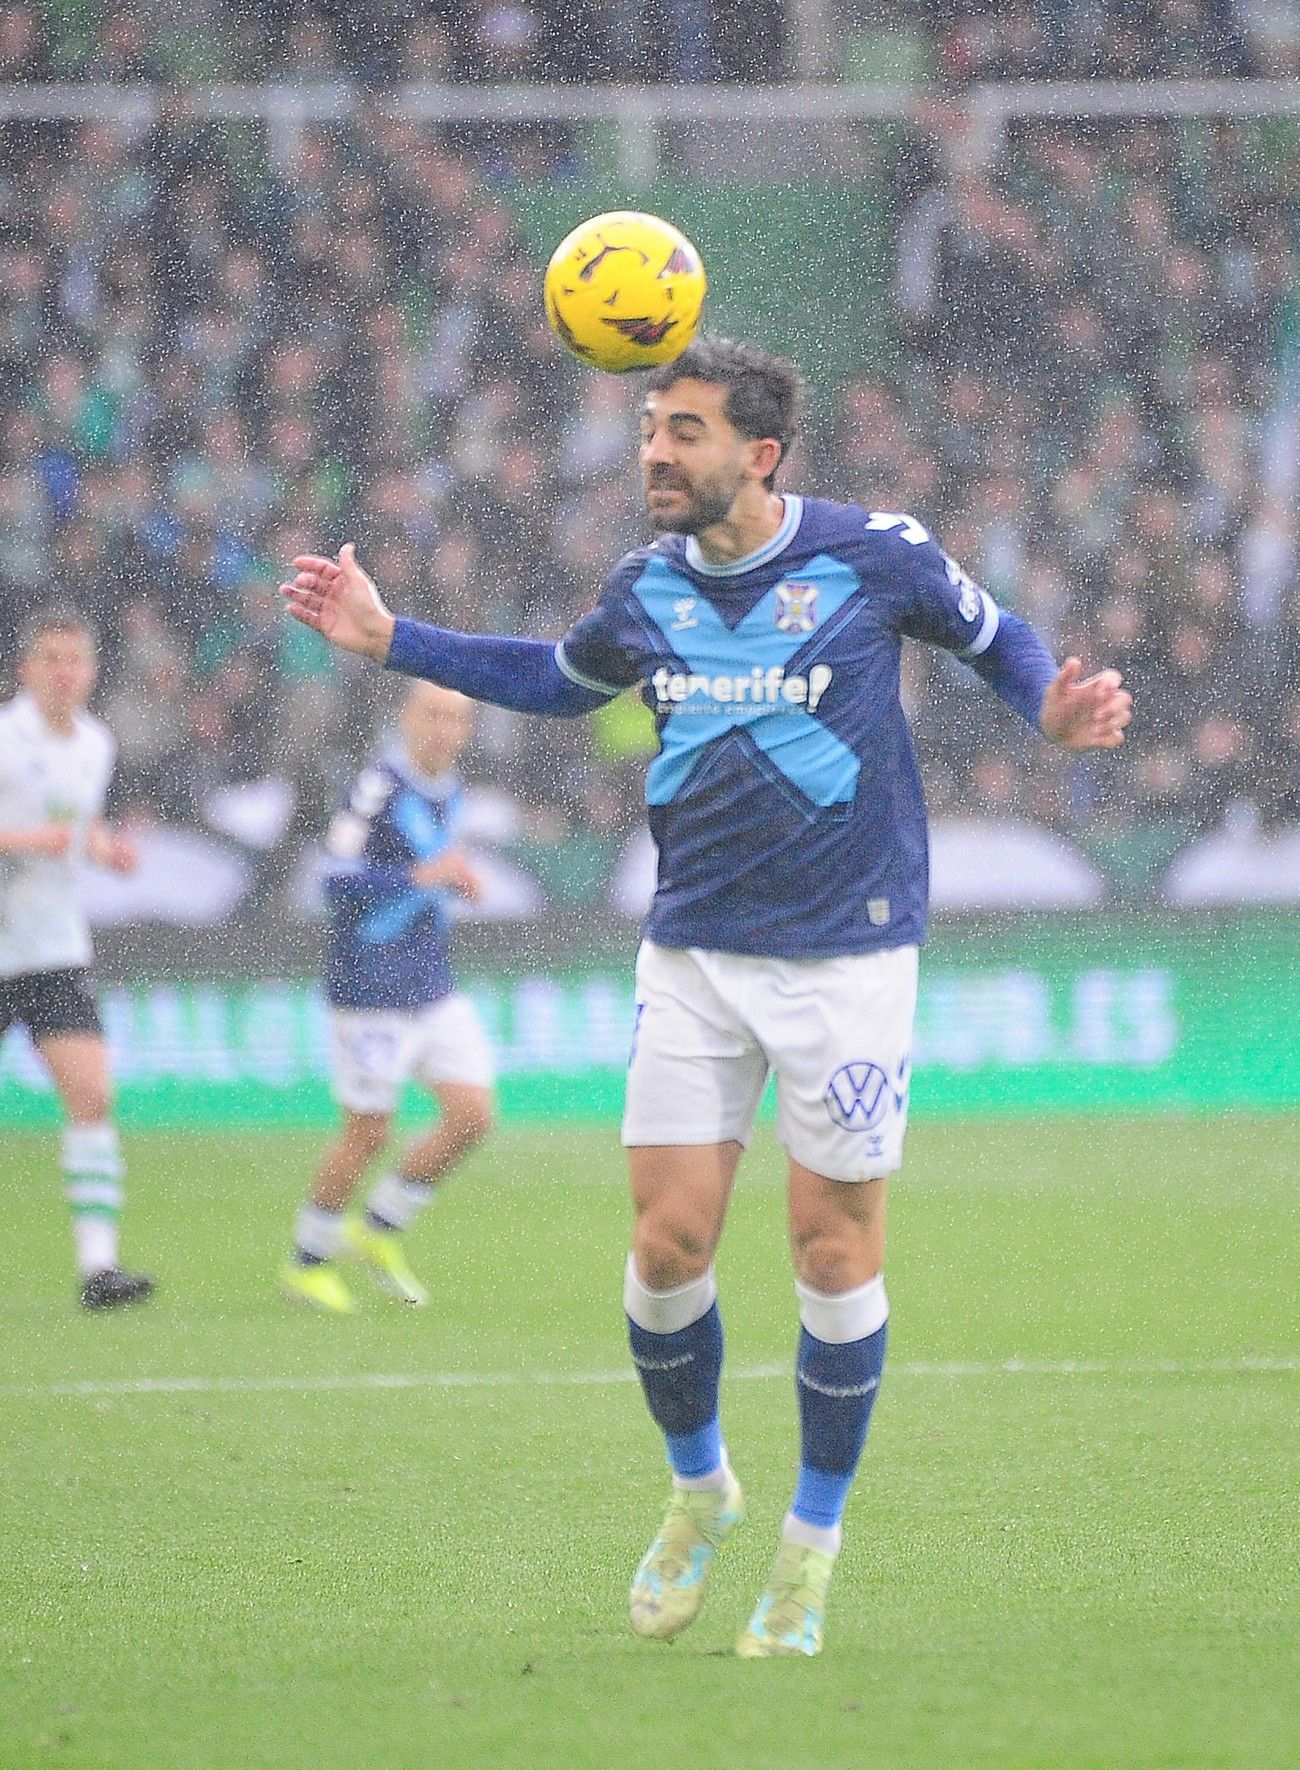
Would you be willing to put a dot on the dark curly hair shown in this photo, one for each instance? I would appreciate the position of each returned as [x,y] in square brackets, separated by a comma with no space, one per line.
[764,393]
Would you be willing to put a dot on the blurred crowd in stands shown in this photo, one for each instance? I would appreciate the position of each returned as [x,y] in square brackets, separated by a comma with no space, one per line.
[1099,409]
[1112,39]
[210,361]
[385,41]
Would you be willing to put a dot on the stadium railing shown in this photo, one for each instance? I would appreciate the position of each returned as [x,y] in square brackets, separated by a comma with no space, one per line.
[636,114]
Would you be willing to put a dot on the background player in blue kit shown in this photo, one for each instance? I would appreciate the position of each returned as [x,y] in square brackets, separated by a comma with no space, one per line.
[766,633]
[394,1007]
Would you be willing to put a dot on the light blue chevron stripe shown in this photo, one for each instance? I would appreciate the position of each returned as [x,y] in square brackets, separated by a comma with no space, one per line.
[427,835]
[800,748]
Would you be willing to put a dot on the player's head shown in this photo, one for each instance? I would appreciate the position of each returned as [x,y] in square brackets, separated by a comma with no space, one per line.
[436,724]
[57,663]
[716,421]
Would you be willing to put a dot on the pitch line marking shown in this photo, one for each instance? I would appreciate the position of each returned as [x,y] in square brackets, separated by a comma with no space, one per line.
[379,1380]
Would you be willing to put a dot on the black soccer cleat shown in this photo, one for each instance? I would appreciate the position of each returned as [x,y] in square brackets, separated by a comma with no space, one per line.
[109,1288]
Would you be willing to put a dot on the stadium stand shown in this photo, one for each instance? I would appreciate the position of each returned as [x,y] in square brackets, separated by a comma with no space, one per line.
[212,355]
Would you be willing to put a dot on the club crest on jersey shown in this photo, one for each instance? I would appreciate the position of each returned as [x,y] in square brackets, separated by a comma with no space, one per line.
[796,607]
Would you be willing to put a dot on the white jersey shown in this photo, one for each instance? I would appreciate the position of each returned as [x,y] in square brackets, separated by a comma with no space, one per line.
[47,778]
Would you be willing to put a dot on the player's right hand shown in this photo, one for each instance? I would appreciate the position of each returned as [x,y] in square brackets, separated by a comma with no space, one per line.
[51,840]
[451,870]
[340,601]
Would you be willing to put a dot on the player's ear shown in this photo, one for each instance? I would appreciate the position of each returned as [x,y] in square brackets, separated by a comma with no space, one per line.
[765,456]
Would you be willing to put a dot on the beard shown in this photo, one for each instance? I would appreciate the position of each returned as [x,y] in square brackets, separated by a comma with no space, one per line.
[710,502]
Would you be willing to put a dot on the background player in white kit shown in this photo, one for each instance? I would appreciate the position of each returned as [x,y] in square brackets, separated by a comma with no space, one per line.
[395,1010]
[55,765]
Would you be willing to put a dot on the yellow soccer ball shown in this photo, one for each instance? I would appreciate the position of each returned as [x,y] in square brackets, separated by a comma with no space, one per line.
[624,291]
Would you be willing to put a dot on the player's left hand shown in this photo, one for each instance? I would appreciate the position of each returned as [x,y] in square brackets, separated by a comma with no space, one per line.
[1085,713]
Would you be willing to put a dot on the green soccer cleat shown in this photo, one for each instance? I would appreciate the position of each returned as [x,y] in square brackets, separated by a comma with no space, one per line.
[320,1286]
[381,1252]
[669,1586]
[788,1618]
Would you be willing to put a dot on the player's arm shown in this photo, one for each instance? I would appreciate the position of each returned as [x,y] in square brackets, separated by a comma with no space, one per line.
[355,879]
[50,840]
[340,601]
[449,871]
[1077,712]
[947,609]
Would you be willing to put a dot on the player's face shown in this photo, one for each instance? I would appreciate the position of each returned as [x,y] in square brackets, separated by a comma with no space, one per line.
[694,462]
[436,724]
[59,673]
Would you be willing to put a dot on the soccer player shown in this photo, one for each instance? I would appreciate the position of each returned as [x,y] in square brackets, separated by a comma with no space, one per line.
[395,1009]
[55,764]
[765,631]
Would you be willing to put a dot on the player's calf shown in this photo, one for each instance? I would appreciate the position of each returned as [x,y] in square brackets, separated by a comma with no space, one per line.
[676,1341]
[841,1355]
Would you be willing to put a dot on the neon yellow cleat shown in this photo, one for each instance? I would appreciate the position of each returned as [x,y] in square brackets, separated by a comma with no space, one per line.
[788,1618]
[381,1251]
[318,1285]
[669,1586]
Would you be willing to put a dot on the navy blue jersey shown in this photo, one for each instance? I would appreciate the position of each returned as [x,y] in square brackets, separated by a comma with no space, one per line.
[387,942]
[785,800]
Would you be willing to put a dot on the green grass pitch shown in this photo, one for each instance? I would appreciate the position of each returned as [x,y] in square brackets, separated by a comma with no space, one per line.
[227,1541]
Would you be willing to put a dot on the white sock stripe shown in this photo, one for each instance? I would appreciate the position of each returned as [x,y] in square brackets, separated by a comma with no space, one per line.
[94,1192]
[854,1315]
[827,1538]
[95,1237]
[92,1149]
[667,1312]
[398,1200]
[318,1232]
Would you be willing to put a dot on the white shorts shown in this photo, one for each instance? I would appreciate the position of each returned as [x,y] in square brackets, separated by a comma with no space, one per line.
[377,1050]
[837,1032]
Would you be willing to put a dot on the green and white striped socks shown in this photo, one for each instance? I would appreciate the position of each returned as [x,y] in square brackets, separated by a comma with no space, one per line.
[92,1184]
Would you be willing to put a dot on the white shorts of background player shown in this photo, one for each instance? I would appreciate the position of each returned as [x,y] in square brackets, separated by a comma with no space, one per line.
[836,1032]
[377,1050]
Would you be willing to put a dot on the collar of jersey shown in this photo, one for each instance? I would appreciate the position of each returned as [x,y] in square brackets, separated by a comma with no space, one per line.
[36,722]
[778,544]
[440,786]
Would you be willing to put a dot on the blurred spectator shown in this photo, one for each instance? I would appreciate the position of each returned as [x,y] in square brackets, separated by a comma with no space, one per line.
[212,356]
[1104,319]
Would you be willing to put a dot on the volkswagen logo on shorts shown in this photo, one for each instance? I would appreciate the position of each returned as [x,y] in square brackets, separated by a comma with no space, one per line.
[857,1096]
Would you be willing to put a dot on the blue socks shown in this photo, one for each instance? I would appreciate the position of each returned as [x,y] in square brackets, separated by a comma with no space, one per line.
[676,1340]
[841,1355]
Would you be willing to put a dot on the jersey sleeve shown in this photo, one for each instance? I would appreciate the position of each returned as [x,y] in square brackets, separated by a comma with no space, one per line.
[354,869]
[604,649]
[941,604]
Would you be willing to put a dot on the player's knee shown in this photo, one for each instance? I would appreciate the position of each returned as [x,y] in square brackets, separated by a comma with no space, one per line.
[89,1103]
[669,1252]
[830,1263]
